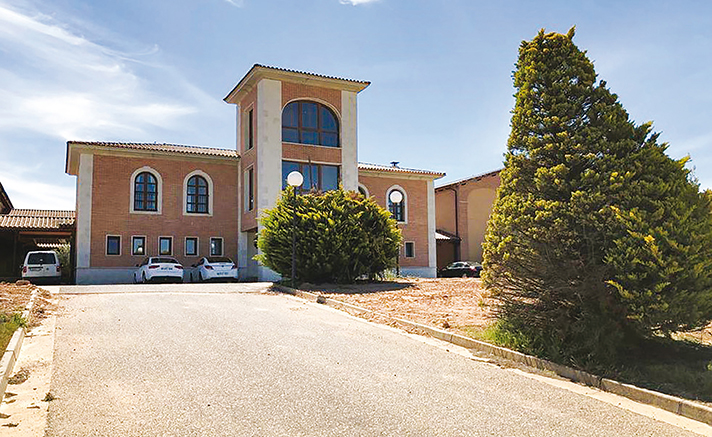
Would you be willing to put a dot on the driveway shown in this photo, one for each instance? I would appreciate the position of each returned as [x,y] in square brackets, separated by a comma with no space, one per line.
[155,361]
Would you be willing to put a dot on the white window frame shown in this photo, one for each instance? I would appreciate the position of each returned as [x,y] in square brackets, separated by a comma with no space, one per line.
[405,251]
[170,237]
[197,246]
[106,245]
[145,245]
[404,201]
[159,191]
[222,246]
[209,180]
[365,189]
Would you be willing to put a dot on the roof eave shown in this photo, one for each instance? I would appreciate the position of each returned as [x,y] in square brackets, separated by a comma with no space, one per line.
[411,174]
[470,179]
[74,149]
[259,72]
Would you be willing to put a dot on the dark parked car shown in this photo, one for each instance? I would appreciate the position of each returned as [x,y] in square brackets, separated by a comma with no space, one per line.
[460,269]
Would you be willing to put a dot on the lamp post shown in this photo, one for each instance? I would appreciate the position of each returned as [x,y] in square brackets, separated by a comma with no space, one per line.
[294,180]
[396,197]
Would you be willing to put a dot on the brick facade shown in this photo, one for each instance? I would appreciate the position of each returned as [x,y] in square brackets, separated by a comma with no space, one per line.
[105,172]
[416,227]
[111,200]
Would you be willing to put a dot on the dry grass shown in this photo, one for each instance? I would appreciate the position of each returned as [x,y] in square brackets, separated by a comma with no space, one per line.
[14,297]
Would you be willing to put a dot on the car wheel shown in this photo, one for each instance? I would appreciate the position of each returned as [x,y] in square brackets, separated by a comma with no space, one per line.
[200,277]
[143,278]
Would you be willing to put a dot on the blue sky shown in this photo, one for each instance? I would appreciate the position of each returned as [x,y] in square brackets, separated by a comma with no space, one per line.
[441,92]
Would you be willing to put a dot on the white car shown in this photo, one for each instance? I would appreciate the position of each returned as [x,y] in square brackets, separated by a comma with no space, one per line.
[214,268]
[155,268]
[42,266]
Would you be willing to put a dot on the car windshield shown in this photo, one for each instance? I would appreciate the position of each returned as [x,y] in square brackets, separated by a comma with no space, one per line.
[457,265]
[41,258]
[219,259]
[164,260]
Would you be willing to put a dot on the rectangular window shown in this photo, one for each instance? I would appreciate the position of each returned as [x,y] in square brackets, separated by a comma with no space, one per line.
[165,245]
[138,246]
[216,246]
[249,189]
[318,177]
[191,246]
[409,249]
[113,245]
[250,130]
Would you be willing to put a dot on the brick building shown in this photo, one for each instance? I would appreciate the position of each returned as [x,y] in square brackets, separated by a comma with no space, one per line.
[463,210]
[136,199]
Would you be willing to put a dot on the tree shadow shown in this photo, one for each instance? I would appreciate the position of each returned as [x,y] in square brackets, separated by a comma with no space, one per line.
[676,367]
[359,287]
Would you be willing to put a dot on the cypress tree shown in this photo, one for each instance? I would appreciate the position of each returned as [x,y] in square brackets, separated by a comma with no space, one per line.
[597,237]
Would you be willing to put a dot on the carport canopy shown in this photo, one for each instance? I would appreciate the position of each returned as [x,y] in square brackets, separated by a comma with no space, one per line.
[21,229]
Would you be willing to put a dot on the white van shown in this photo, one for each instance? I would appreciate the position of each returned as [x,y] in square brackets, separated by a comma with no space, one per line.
[42,266]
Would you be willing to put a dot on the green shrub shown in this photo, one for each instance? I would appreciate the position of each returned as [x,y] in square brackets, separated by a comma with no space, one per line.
[597,238]
[341,236]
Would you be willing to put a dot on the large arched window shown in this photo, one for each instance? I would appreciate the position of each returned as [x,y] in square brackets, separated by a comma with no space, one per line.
[145,195]
[197,195]
[310,123]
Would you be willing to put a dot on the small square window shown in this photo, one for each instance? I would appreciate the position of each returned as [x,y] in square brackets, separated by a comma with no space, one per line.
[165,245]
[409,249]
[113,245]
[191,246]
[216,247]
[138,246]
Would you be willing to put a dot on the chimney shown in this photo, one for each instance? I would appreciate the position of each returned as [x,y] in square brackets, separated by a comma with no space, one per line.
[394,164]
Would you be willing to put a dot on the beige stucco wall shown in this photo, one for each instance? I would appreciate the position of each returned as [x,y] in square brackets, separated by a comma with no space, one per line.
[475,199]
[479,208]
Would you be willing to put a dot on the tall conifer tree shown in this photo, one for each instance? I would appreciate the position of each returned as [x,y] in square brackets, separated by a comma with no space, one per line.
[597,237]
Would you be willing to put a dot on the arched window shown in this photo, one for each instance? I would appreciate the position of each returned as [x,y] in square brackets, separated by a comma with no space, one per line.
[145,192]
[397,209]
[197,195]
[363,190]
[310,123]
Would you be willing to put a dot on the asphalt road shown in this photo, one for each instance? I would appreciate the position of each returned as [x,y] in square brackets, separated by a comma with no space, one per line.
[257,364]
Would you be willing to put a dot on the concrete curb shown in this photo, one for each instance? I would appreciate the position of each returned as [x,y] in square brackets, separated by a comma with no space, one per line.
[12,353]
[676,405]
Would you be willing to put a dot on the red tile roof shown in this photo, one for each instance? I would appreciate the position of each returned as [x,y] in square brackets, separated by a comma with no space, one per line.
[162,147]
[309,73]
[37,219]
[394,169]
[441,235]
[470,179]
[259,71]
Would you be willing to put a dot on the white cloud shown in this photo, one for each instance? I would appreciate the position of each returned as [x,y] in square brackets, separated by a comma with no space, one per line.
[59,84]
[27,192]
[356,2]
[63,84]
